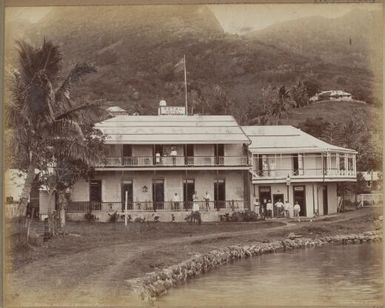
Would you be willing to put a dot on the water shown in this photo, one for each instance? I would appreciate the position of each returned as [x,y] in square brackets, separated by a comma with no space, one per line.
[327,276]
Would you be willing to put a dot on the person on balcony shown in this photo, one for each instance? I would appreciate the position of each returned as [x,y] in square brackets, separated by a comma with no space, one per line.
[175,201]
[173,154]
[157,158]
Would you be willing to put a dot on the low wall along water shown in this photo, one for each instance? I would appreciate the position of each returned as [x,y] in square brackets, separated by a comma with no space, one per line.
[156,284]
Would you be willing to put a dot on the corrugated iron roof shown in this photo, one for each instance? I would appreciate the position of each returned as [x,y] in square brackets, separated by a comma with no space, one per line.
[172,129]
[286,139]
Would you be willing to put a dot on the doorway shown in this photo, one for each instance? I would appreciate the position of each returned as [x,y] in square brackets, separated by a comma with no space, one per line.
[127,187]
[264,193]
[300,197]
[188,192]
[95,195]
[127,154]
[219,153]
[158,194]
[325,199]
[189,154]
[220,194]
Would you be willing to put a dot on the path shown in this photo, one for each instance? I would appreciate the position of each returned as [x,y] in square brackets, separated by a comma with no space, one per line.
[96,277]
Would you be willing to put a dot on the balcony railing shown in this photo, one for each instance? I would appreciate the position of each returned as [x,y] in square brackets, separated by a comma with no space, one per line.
[318,172]
[87,206]
[176,161]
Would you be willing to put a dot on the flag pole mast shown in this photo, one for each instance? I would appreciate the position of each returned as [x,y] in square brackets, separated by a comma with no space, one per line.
[185,84]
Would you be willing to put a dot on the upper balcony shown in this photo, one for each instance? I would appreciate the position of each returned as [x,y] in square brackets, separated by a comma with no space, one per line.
[327,167]
[168,162]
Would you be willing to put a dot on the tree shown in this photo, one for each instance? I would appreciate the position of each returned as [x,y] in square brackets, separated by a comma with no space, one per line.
[41,112]
[312,87]
[276,102]
[299,95]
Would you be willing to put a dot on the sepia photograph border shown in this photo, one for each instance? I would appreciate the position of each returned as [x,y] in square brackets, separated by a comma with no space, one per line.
[36,3]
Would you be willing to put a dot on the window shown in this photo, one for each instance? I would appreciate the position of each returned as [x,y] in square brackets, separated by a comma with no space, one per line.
[127,155]
[342,162]
[297,164]
[219,153]
[350,163]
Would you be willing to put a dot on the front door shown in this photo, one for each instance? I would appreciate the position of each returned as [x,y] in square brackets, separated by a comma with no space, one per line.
[300,197]
[188,192]
[325,199]
[95,194]
[158,194]
[127,195]
[220,194]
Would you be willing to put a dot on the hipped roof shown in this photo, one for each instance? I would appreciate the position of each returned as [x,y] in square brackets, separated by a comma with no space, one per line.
[286,139]
[172,129]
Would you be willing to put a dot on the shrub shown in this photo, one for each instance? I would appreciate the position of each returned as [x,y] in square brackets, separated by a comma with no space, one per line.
[90,217]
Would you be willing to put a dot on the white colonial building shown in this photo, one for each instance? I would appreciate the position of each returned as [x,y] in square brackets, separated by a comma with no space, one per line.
[152,158]
[289,164]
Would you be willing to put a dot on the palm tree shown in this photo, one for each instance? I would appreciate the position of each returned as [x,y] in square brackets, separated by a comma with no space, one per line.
[41,112]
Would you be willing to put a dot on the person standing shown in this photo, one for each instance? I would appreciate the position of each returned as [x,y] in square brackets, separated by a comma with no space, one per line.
[264,208]
[207,200]
[279,206]
[286,208]
[195,209]
[269,207]
[173,154]
[176,201]
[256,206]
[297,209]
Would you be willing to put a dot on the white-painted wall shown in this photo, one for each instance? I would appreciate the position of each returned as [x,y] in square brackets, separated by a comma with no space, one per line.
[173,182]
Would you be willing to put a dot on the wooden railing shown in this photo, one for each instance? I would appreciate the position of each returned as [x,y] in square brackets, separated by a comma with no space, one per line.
[177,161]
[86,206]
[306,172]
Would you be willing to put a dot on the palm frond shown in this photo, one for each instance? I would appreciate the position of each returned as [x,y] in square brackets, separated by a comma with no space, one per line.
[62,93]
[64,129]
[47,58]
[87,114]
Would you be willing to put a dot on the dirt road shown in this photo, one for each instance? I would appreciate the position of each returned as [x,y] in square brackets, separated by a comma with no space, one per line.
[96,277]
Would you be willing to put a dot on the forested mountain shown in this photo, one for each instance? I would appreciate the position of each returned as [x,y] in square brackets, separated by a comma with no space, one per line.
[135,49]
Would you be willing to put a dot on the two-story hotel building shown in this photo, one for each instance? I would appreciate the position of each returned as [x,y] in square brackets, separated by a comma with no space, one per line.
[152,158]
[289,164]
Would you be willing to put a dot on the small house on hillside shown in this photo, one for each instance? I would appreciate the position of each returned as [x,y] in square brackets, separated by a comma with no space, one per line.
[332,95]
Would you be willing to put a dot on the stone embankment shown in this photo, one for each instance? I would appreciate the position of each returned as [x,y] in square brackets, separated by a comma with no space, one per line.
[156,284]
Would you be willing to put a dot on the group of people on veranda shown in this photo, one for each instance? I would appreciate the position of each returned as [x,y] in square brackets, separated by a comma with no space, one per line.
[266,209]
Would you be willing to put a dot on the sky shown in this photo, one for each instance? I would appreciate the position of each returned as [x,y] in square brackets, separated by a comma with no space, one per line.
[238,18]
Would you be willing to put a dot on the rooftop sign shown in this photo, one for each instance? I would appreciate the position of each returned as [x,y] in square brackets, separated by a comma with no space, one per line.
[172,110]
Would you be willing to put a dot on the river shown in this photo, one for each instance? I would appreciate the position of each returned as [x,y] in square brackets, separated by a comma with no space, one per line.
[329,276]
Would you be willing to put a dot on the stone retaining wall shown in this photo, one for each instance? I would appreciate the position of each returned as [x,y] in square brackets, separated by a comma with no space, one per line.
[156,284]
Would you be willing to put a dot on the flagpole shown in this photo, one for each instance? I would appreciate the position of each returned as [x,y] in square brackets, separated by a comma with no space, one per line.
[185,84]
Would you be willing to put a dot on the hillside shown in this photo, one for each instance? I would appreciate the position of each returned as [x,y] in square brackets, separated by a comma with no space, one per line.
[351,40]
[136,47]
[333,112]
